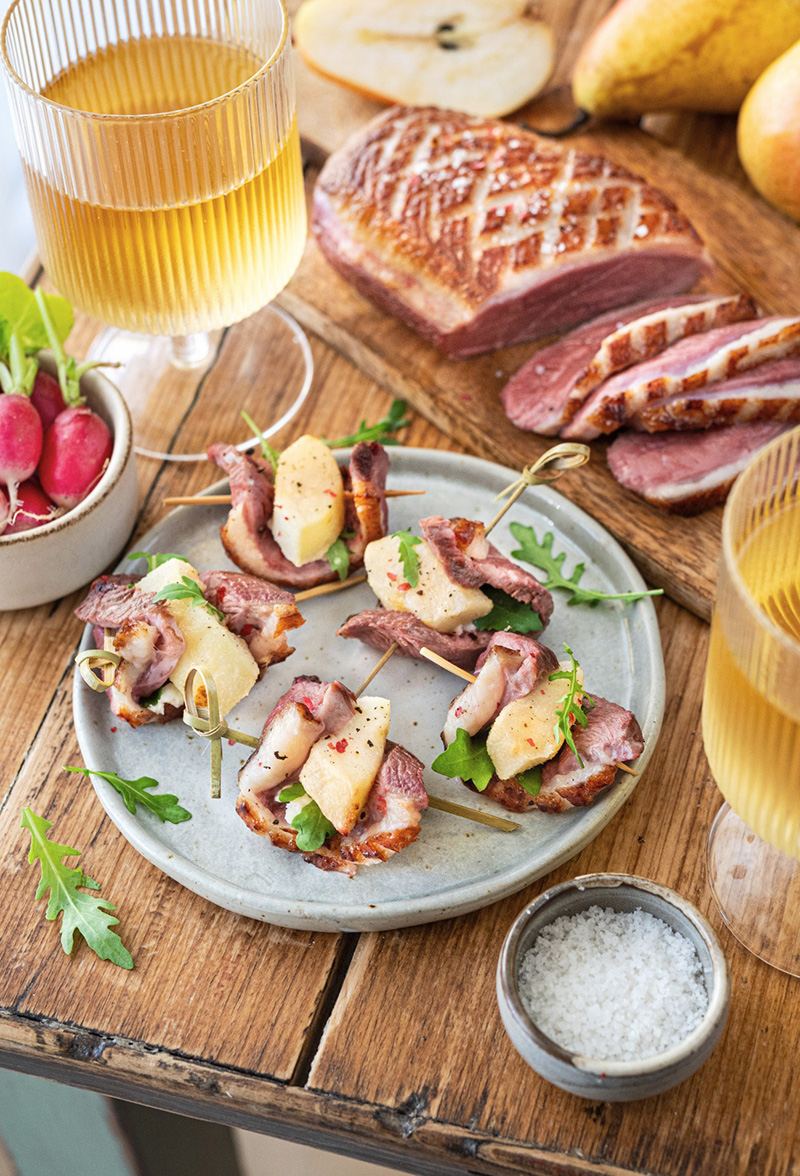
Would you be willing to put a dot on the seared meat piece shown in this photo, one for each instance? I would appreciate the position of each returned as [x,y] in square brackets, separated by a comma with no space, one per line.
[148,640]
[309,710]
[770,392]
[246,535]
[479,234]
[684,368]
[149,654]
[611,736]
[548,390]
[380,627]
[470,560]
[507,669]
[258,611]
[687,472]
[247,538]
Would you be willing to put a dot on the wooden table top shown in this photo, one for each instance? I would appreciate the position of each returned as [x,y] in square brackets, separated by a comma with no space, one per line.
[386,1046]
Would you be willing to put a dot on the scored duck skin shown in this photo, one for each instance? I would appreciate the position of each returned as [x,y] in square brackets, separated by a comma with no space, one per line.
[247,536]
[547,391]
[479,234]
[687,473]
[683,369]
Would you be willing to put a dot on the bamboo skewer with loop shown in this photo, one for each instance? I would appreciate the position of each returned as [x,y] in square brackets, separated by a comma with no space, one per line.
[207,722]
[105,660]
[438,660]
[567,455]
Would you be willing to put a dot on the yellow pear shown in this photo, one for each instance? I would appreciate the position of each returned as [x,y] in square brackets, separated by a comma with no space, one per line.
[768,134]
[649,55]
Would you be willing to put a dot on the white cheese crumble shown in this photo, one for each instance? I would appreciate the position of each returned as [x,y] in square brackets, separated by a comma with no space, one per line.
[612,985]
[296,806]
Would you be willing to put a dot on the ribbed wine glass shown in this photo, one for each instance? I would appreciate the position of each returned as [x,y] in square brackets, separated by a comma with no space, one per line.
[160,148]
[751,708]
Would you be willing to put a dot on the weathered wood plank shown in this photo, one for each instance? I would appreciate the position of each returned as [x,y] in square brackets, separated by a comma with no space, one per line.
[424,1000]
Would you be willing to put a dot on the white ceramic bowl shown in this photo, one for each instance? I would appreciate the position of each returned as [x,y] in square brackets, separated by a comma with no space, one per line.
[53,560]
[599,1079]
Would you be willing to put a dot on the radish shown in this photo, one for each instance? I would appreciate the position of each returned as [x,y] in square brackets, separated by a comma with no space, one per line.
[47,398]
[20,441]
[33,509]
[5,511]
[76,450]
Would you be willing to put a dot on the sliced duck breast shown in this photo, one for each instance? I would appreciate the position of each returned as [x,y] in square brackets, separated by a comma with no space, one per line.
[381,627]
[684,368]
[479,234]
[548,390]
[687,472]
[770,392]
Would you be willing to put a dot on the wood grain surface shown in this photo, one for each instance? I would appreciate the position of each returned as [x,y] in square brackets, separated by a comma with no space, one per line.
[390,1046]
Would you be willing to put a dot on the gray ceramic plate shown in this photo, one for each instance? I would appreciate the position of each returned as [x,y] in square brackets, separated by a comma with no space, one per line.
[456,865]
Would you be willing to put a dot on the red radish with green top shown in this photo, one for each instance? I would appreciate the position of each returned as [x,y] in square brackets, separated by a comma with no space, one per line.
[20,441]
[33,509]
[75,453]
[5,511]
[47,398]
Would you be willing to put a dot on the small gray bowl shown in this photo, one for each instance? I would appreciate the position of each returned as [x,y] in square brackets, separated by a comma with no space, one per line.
[592,1078]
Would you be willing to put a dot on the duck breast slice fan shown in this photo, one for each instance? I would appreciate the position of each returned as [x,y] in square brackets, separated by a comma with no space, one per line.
[548,390]
[612,735]
[479,234]
[247,536]
[687,473]
[684,368]
[770,392]
[381,627]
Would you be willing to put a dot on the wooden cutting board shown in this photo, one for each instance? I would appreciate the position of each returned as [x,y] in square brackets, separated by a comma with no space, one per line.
[754,247]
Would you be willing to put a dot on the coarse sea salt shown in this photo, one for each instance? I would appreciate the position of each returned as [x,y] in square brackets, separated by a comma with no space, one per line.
[613,985]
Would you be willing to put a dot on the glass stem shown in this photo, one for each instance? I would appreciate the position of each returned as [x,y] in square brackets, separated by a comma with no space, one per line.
[190,351]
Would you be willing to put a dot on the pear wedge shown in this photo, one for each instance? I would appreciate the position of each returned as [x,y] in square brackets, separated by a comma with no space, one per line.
[650,55]
[768,133]
[485,59]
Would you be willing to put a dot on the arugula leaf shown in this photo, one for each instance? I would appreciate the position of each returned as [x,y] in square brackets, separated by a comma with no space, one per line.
[339,557]
[313,828]
[152,699]
[394,420]
[508,614]
[163,804]
[531,780]
[156,559]
[293,792]
[267,452]
[88,914]
[190,590]
[570,710]
[468,758]
[408,556]
[542,557]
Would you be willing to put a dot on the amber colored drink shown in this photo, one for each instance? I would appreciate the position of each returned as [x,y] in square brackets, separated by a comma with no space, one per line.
[189,224]
[751,708]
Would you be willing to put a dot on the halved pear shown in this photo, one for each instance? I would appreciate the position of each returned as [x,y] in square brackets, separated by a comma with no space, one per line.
[208,642]
[435,599]
[524,734]
[308,515]
[340,771]
[484,59]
